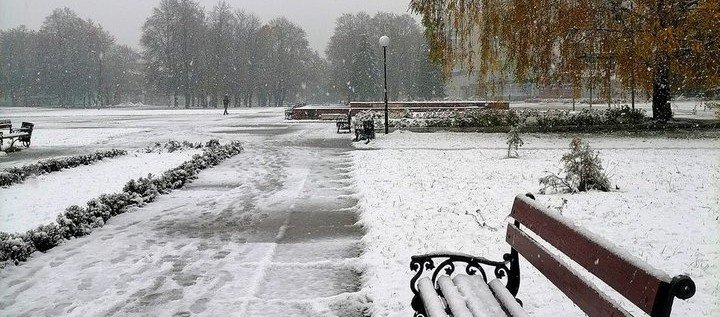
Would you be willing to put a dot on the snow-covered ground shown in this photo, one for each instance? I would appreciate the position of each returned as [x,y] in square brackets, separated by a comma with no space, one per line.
[447,191]
[38,200]
[269,232]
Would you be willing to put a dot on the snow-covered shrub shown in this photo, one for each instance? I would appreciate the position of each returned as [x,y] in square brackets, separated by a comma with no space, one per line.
[97,208]
[10,177]
[78,221]
[514,141]
[377,117]
[115,202]
[212,143]
[624,115]
[581,171]
[45,237]
[15,247]
[171,146]
[490,118]
[590,117]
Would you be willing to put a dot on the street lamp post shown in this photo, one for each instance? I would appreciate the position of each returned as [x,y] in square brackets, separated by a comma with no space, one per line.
[384,42]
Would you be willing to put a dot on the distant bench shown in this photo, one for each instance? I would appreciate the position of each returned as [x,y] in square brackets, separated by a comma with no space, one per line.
[23,134]
[444,291]
[342,121]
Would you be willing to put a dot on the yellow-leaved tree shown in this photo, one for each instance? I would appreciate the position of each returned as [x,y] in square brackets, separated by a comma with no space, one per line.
[659,46]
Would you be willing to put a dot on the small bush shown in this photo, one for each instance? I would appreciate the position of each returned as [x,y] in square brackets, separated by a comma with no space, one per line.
[46,237]
[212,143]
[624,115]
[514,141]
[15,247]
[171,146]
[582,169]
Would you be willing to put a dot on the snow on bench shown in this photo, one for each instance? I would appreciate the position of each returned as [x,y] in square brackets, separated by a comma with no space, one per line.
[451,291]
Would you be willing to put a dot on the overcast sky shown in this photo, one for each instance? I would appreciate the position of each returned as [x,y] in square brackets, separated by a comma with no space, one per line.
[124,18]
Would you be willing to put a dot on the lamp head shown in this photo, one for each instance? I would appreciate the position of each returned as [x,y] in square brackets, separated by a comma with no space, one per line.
[384,41]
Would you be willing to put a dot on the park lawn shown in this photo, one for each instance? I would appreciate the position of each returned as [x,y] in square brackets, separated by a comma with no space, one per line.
[38,200]
[452,192]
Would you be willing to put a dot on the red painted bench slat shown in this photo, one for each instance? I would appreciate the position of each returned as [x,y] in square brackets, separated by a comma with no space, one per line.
[630,277]
[591,300]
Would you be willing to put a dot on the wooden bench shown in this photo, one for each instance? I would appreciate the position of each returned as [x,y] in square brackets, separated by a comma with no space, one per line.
[23,135]
[5,125]
[343,124]
[441,288]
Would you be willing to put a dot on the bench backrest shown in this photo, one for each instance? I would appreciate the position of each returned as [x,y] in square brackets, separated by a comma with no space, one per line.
[27,125]
[5,124]
[648,288]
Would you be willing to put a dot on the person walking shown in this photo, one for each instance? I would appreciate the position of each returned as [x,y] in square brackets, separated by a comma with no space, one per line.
[226,103]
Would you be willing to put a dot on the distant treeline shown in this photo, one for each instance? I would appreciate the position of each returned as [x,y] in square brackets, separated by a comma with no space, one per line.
[192,58]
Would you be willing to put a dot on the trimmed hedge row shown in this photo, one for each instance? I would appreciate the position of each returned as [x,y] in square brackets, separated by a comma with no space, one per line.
[587,117]
[14,175]
[504,118]
[172,146]
[78,221]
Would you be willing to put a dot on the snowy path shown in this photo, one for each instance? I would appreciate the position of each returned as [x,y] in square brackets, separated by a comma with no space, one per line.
[270,232]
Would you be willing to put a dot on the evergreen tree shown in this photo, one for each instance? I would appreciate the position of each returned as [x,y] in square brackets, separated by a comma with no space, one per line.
[365,80]
[18,65]
[428,82]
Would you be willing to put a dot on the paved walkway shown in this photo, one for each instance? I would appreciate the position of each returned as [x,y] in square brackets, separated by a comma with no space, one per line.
[270,232]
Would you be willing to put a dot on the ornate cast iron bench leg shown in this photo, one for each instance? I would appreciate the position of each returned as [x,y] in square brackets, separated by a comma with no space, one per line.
[508,269]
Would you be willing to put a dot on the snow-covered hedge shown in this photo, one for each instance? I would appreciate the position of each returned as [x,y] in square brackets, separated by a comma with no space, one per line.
[78,221]
[14,175]
[486,118]
[172,146]
[588,117]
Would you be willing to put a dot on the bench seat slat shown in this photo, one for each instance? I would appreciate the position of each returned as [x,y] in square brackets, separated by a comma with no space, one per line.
[584,294]
[433,305]
[15,135]
[455,301]
[479,298]
[629,276]
[508,301]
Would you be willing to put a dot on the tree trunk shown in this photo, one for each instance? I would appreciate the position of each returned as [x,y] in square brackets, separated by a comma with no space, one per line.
[661,73]
[661,87]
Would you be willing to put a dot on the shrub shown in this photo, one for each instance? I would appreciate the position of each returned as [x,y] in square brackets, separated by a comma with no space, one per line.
[172,146]
[15,247]
[624,115]
[514,141]
[45,237]
[75,222]
[582,171]
[213,143]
